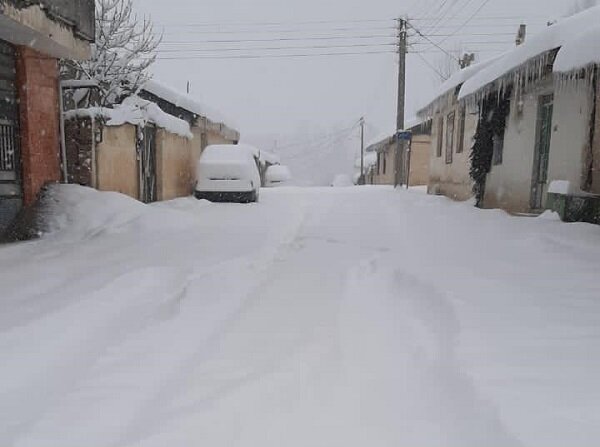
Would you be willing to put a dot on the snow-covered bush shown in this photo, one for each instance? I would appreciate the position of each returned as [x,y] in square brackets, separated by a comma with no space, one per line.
[125,48]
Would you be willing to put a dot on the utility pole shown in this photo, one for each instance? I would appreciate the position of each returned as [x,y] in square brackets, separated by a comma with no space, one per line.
[402,49]
[361,179]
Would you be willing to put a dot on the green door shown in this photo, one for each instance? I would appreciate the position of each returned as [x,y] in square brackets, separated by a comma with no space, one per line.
[542,151]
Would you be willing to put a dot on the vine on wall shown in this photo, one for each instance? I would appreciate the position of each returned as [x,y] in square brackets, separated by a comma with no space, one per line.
[493,115]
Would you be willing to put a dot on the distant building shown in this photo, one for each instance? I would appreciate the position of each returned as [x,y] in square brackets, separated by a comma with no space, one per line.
[33,36]
[383,167]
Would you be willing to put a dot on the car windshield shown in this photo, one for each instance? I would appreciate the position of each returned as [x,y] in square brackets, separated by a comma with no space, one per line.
[300,223]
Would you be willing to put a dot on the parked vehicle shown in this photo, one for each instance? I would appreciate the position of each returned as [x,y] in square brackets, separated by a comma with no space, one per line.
[228,173]
[278,175]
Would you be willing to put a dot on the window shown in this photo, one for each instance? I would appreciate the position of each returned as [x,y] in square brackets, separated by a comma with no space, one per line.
[384,162]
[498,144]
[461,131]
[440,137]
[450,137]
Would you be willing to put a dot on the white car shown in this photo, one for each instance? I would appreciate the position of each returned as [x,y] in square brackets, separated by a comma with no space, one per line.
[278,175]
[228,173]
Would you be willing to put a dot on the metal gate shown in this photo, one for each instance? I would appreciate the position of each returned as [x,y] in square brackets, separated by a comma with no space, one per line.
[11,196]
[147,163]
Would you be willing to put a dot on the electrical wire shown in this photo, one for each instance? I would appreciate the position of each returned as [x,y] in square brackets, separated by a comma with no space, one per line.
[304,47]
[283,39]
[278,56]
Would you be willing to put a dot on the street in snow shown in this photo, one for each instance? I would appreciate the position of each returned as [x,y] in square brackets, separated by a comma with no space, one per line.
[322,317]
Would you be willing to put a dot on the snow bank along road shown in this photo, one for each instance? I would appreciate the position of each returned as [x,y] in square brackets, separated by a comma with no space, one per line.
[319,317]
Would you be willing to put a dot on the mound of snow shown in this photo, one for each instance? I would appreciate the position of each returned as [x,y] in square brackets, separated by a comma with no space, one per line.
[277,174]
[560,187]
[77,212]
[342,181]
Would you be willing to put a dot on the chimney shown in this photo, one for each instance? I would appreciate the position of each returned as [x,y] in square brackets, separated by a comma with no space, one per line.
[521,35]
[467,60]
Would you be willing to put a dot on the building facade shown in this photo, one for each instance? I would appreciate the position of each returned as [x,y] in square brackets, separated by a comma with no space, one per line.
[33,36]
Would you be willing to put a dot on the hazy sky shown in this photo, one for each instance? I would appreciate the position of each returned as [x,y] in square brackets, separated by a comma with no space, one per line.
[280,97]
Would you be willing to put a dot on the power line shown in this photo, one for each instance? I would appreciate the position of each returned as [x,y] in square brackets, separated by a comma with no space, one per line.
[277,56]
[428,64]
[281,31]
[310,47]
[431,41]
[282,39]
[307,22]
[485,2]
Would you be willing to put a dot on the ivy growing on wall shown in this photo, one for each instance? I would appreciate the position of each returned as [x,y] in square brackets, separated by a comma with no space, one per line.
[493,115]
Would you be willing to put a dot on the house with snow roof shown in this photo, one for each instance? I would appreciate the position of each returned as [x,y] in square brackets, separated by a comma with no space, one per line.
[147,147]
[536,142]
[381,161]
[453,125]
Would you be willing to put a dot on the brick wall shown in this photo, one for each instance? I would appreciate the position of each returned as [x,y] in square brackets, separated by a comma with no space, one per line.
[37,82]
[78,137]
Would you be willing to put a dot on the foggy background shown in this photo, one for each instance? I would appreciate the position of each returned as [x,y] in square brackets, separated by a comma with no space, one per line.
[307,109]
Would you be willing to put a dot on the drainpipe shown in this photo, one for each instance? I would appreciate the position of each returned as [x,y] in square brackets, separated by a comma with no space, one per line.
[63,142]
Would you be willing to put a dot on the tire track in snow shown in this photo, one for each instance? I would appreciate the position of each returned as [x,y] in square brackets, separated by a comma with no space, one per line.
[408,342]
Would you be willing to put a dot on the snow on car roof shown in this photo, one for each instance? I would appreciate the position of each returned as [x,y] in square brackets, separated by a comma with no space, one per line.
[228,152]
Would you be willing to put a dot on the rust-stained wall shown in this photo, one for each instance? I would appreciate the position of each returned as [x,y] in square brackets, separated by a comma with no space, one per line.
[117,163]
[37,82]
[419,160]
[174,170]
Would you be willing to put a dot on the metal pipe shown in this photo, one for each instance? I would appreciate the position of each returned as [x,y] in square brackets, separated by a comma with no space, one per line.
[63,142]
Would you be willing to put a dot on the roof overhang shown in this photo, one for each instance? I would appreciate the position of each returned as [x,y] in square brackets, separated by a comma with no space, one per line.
[30,26]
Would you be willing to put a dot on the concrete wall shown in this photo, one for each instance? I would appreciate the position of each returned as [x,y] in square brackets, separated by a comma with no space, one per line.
[508,185]
[32,26]
[385,178]
[419,160]
[117,165]
[595,152]
[452,179]
[571,133]
[173,166]
[37,83]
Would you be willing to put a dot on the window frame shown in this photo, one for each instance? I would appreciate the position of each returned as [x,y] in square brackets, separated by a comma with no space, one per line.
[462,117]
[440,137]
[450,128]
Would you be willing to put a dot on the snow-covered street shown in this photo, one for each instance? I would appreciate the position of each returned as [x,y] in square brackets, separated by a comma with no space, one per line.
[318,317]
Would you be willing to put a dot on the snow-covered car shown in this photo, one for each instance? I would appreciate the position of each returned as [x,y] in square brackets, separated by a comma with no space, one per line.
[278,175]
[228,173]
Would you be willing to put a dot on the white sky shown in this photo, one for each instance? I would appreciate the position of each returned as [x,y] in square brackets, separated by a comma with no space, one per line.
[276,98]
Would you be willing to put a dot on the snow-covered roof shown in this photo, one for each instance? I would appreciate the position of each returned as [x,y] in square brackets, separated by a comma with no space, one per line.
[185,101]
[570,33]
[269,157]
[454,81]
[138,112]
[370,160]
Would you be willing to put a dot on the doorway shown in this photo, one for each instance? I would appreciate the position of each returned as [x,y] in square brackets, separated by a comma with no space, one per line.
[11,191]
[147,164]
[542,151]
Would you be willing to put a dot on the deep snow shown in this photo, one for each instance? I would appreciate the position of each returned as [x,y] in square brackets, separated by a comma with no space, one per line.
[318,317]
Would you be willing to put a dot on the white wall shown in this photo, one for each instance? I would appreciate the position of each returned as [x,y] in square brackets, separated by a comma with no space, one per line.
[508,185]
[570,138]
[452,179]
